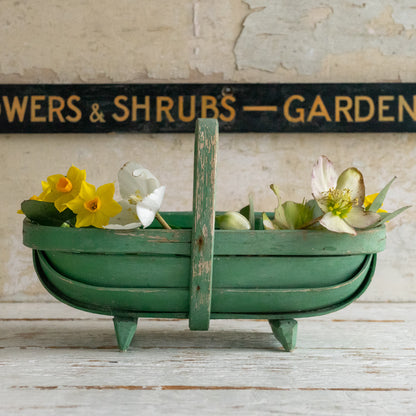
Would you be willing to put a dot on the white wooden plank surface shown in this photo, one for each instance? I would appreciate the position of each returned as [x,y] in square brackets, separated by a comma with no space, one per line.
[55,360]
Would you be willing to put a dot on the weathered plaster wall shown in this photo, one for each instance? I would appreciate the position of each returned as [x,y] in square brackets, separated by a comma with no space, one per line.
[201,41]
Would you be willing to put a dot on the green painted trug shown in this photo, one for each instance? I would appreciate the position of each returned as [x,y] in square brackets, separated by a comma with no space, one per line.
[146,272]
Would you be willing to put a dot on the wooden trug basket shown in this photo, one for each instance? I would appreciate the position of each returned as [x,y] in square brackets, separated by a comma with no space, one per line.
[198,273]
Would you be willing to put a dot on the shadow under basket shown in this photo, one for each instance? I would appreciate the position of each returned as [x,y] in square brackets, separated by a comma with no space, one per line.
[199,273]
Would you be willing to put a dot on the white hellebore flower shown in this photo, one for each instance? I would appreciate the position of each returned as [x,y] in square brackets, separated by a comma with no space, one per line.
[142,196]
[340,198]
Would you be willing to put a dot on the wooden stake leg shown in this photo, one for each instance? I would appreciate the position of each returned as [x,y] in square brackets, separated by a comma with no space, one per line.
[285,331]
[125,329]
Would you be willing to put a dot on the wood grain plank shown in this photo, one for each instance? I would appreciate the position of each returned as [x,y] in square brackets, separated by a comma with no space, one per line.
[58,360]
[31,402]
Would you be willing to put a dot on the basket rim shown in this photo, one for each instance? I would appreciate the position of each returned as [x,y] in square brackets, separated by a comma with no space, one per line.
[226,242]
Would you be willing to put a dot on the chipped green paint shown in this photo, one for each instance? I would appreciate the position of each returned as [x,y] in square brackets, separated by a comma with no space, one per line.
[202,244]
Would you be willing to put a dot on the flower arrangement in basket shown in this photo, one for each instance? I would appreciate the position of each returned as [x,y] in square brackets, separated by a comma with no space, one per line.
[126,259]
[339,203]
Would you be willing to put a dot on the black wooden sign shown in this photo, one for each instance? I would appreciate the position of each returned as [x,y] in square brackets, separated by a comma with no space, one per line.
[174,108]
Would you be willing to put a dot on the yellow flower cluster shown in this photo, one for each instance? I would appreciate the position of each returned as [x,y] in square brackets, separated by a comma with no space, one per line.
[93,207]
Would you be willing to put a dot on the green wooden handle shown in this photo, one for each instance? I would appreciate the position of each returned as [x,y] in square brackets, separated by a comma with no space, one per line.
[202,243]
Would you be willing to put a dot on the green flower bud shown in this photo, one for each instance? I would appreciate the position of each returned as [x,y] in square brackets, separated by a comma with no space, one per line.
[232,221]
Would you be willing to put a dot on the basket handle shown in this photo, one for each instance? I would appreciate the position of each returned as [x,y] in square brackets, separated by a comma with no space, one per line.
[202,242]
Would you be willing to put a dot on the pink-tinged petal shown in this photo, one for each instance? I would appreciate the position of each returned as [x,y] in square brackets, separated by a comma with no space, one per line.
[353,180]
[334,223]
[358,218]
[324,177]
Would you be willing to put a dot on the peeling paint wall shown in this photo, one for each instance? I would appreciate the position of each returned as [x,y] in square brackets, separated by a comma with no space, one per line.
[216,41]
[302,35]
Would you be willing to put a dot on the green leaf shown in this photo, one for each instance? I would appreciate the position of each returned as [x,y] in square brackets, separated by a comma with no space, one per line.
[279,220]
[248,212]
[45,213]
[316,210]
[388,216]
[378,202]
[245,211]
[297,214]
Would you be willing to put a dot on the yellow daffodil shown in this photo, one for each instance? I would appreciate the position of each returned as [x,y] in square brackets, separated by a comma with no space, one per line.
[369,199]
[94,207]
[60,189]
[340,198]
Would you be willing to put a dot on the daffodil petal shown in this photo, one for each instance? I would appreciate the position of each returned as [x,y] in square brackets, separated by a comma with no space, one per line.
[358,218]
[134,178]
[106,191]
[353,180]
[147,209]
[334,223]
[324,177]
[99,219]
[87,191]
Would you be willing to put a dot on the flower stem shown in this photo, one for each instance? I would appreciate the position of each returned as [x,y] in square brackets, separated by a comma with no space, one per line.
[163,223]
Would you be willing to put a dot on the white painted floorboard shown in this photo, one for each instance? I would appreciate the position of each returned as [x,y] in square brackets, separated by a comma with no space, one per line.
[56,360]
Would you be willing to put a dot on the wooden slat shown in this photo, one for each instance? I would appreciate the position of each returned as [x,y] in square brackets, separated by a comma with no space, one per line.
[202,245]
[297,242]
[92,240]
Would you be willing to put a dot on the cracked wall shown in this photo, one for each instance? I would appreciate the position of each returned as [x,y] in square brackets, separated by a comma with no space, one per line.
[209,41]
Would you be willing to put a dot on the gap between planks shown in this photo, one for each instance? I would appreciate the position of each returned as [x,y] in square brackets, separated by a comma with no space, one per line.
[202,387]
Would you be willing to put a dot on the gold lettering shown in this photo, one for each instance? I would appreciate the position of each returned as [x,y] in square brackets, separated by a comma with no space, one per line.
[162,108]
[17,107]
[299,111]
[228,107]
[404,104]
[357,114]
[382,107]
[344,109]
[181,115]
[56,110]
[209,103]
[145,107]
[125,109]
[318,110]
[77,112]
[34,107]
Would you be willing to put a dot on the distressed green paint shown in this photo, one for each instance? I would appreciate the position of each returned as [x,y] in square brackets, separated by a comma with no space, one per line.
[125,329]
[285,330]
[202,244]
[201,274]
[106,241]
